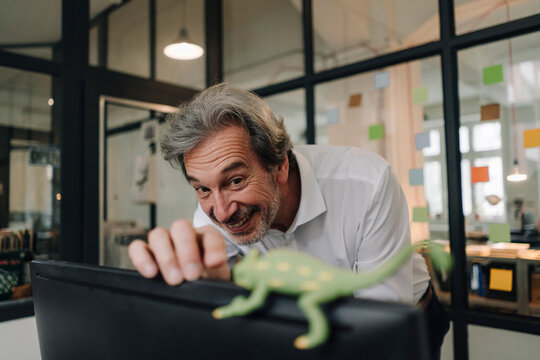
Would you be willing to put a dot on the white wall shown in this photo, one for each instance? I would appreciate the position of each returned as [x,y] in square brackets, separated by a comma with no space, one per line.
[19,340]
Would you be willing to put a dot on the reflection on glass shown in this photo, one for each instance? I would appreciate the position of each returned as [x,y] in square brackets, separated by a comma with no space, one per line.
[290,107]
[474,15]
[493,187]
[248,28]
[348,31]
[173,15]
[349,109]
[407,107]
[499,86]
[433,185]
[466,186]
[129,182]
[487,136]
[29,178]
[434,148]
[31,27]
[128,43]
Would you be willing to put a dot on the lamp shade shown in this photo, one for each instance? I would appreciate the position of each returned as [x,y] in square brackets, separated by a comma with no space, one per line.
[516,175]
[183,49]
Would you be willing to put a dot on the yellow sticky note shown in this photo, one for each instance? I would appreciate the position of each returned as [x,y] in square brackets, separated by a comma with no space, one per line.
[500,279]
[531,138]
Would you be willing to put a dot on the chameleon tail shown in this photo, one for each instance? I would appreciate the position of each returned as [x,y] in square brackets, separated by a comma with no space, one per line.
[441,260]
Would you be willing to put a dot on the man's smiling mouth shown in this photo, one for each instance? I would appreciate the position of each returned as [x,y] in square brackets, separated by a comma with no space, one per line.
[241,222]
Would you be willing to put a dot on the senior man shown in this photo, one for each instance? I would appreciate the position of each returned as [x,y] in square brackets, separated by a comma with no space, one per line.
[340,204]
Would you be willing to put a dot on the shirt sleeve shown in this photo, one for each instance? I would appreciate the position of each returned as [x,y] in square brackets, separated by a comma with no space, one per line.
[384,231]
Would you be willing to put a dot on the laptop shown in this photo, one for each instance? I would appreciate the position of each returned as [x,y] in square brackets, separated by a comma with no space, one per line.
[91,312]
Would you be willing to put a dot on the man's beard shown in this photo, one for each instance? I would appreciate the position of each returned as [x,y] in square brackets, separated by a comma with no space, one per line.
[268,215]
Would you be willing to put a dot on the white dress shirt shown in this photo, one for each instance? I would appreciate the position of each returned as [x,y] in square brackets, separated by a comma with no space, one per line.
[352,214]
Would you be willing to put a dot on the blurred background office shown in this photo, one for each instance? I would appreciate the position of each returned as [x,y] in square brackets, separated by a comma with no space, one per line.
[448,92]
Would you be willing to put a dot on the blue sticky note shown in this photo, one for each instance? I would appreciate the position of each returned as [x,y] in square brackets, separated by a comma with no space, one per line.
[332,116]
[422,140]
[416,176]
[382,80]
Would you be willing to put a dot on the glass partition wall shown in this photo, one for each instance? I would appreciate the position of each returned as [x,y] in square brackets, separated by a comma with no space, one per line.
[30,191]
[138,190]
[447,91]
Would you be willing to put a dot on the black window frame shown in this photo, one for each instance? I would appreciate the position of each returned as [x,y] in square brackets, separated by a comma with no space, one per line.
[81,85]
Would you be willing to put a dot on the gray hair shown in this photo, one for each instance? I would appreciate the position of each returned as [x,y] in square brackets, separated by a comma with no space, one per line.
[220,106]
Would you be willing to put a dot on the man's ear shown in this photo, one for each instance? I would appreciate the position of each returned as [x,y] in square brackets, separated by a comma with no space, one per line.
[282,174]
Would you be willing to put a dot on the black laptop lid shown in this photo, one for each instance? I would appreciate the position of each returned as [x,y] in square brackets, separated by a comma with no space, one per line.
[89,312]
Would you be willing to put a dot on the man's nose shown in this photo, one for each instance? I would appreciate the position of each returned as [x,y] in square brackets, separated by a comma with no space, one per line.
[224,207]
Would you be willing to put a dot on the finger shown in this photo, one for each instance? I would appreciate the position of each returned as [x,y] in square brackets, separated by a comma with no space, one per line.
[160,243]
[222,272]
[213,244]
[142,258]
[187,249]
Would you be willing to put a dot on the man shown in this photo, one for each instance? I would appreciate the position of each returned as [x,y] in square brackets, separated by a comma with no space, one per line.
[340,204]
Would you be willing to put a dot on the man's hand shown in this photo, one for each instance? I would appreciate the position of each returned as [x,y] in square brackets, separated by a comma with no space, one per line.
[184,253]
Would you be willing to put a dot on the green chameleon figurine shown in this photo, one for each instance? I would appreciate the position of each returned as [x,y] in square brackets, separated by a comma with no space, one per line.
[313,281]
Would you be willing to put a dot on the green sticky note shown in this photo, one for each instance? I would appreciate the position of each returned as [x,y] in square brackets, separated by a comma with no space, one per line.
[420,214]
[376,132]
[420,95]
[493,74]
[499,232]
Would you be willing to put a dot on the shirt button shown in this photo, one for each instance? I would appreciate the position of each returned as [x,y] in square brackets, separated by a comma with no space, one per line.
[288,239]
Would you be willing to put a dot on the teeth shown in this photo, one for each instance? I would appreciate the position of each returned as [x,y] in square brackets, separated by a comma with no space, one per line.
[240,223]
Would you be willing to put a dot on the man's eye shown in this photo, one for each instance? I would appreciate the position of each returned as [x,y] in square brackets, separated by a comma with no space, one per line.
[236,181]
[202,190]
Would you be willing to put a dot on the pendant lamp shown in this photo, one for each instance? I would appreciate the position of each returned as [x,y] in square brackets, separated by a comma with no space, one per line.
[516,175]
[183,48]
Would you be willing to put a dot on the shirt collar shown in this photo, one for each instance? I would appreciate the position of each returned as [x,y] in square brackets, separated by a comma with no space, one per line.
[311,198]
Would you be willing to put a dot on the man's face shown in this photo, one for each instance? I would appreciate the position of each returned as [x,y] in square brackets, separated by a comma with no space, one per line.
[232,187]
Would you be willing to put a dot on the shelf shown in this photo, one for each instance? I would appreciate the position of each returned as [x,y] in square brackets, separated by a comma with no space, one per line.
[480,301]
[534,308]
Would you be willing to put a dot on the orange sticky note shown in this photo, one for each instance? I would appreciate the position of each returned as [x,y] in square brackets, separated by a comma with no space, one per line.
[479,174]
[531,138]
[355,100]
[500,279]
[490,112]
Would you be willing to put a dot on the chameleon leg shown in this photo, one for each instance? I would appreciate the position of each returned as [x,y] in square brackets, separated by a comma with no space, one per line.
[317,322]
[240,305]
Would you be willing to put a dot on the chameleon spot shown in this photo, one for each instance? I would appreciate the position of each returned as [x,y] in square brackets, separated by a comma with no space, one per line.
[301,342]
[324,276]
[275,282]
[263,265]
[304,270]
[216,314]
[310,285]
[283,266]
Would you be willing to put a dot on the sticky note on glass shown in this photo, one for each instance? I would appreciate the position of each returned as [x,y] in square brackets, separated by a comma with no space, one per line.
[416,177]
[500,279]
[479,174]
[422,141]
[493,74]
[420,214]
[531,138]
[490,112]
[382,80]
[332,116]
[420,95]
[499,233]
[376,132]
[355,100]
